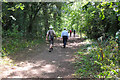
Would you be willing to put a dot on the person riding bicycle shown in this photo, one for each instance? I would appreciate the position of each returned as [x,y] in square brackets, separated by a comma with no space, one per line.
[65,36]
[51,34]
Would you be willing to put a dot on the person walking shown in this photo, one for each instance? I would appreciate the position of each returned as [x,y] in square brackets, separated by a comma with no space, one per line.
[51,34]
[70,32]
[64,36]
[74,32]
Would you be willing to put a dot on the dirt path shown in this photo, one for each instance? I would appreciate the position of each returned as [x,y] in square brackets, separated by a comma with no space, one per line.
[38,62]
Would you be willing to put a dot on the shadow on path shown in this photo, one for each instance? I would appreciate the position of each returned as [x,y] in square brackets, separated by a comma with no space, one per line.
[39,63]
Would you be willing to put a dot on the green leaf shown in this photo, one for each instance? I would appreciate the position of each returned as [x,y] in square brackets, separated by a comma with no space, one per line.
[109,76]
[103,16]
[119,18]
[17,6]
[12,8]
[21,7]
[117,3]
[20,4]
[102,10]
[111,5]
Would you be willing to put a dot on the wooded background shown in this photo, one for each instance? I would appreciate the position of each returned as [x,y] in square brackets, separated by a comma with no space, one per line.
[25,24]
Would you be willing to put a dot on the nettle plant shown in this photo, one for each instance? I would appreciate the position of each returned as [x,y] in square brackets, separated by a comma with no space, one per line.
[108,62]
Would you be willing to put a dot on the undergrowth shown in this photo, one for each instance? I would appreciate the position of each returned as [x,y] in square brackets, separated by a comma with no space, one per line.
[91,63]
[10,46]
[15,41]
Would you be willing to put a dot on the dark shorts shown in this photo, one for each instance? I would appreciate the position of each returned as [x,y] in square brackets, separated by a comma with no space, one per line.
[51,40]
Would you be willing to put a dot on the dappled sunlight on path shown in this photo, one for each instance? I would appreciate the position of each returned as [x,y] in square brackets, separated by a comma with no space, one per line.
[38,62]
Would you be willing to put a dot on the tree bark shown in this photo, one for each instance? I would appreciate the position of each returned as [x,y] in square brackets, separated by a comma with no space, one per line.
[45,13]
[59,5]
[32,18]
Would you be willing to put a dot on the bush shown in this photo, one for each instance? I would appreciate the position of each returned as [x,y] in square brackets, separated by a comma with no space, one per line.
[109,64]
[99,59]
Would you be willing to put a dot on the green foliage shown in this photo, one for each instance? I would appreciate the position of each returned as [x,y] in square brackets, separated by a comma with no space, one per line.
[32,19]
[84,63]
[15,44]
[21,6]
[58,34]
[14,41]
[118,36]
[101,18]
[91,61]
[110,61]
[12,34]
[23,22]
[26,24]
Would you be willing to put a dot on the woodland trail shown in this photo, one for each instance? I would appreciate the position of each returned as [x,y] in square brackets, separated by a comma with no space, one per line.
[38,62]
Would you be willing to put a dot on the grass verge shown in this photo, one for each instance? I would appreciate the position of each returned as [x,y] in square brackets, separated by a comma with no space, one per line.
[89,64]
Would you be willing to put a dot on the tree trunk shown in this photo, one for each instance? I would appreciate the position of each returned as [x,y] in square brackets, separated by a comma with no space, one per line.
[55,20]
[45,13]
[59,5]
[32,18]
[30,25]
